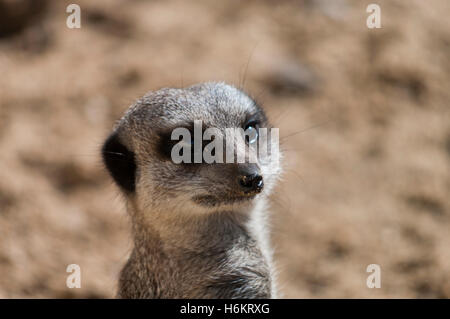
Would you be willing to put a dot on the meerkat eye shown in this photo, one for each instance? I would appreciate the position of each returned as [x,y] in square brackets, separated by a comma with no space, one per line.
[251,132]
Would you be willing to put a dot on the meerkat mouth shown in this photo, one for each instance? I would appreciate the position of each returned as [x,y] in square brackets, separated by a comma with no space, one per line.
[211,200]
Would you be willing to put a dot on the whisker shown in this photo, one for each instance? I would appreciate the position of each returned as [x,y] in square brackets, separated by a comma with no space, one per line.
[281,115]
[242,83]
[306,129]
[115,153]
[297,174]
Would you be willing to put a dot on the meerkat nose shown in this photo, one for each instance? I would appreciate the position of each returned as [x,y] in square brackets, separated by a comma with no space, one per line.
[251,183]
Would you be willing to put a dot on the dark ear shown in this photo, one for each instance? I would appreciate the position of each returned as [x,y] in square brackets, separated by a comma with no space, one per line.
[120,163]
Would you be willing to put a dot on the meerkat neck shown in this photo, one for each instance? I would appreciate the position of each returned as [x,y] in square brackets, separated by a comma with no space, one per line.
[187,255]
[181,231]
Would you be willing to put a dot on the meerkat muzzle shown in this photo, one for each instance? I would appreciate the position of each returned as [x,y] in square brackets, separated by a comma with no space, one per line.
[251,184]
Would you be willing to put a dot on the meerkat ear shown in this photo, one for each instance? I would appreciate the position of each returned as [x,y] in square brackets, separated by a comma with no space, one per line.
[120,163]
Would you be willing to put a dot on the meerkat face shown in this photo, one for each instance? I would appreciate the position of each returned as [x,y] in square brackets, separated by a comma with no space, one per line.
[143,156]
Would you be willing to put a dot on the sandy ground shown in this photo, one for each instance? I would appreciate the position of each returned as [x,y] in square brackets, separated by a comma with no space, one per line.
[363,113]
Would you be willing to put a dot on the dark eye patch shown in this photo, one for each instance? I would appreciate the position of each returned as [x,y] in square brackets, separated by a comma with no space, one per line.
[258,115]
[165,142]
[258,118]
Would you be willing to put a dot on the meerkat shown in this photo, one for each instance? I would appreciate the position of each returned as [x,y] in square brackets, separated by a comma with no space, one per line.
[199,229]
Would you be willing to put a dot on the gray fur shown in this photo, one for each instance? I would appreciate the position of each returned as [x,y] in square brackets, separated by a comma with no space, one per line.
[183,247]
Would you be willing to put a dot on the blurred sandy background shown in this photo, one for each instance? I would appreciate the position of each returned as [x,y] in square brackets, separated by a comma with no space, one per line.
[363,113]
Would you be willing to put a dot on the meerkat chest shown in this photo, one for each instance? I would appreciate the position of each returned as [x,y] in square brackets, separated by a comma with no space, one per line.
[237,272]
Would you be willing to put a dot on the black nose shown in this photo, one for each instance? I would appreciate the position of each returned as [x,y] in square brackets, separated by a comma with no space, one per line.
[251,183]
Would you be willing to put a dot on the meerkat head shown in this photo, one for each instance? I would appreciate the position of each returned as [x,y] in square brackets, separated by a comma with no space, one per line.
[155,157]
